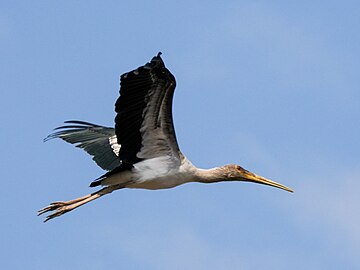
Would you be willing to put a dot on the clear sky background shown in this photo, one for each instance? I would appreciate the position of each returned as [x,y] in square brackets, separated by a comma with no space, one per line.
[271,85]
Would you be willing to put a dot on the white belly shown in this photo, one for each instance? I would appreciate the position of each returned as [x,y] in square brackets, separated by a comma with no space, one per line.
[156,173]
[159,183]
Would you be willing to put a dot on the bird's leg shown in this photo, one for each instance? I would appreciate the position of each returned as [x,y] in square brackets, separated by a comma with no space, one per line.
[61,208]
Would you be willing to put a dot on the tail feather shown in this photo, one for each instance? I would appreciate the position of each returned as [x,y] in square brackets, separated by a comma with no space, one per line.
[124,166]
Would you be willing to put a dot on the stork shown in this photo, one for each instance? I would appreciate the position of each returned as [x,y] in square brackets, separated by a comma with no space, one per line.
[142,150]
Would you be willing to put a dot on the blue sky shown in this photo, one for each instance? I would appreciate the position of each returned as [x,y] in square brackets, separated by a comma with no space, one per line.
[271,85]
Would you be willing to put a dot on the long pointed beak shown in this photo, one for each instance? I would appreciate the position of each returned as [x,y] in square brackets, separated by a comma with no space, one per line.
[251,177]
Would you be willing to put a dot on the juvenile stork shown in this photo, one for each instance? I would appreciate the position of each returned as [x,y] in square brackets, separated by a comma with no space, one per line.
[142,151]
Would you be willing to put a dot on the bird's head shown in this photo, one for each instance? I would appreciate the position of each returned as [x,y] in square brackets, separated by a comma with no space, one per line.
[237,173]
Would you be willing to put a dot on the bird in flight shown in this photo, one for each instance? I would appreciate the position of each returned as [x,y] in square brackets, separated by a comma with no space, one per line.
[142,150]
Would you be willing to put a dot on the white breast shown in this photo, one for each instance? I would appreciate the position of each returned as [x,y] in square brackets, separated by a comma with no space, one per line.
[156,173]
[162,172]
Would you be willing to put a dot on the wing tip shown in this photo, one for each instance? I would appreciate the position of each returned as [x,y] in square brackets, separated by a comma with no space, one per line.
[157,60]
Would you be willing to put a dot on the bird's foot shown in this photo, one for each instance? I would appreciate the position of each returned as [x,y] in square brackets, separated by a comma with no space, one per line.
[61,208]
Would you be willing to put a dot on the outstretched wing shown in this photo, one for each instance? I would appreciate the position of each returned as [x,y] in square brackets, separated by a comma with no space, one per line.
[144,123]
[100,142]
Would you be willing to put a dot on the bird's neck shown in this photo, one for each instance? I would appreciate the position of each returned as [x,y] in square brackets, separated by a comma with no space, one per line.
[212,175]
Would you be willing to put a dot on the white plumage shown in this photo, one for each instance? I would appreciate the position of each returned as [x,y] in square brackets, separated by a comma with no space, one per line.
[155,173]
[142,150]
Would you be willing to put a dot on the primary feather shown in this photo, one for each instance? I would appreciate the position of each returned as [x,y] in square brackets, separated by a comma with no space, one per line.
[99,141]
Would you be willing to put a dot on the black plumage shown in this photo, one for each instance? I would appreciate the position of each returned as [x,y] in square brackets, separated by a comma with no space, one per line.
[144,90]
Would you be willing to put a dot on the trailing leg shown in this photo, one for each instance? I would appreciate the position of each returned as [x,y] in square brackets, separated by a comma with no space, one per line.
[61,208]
